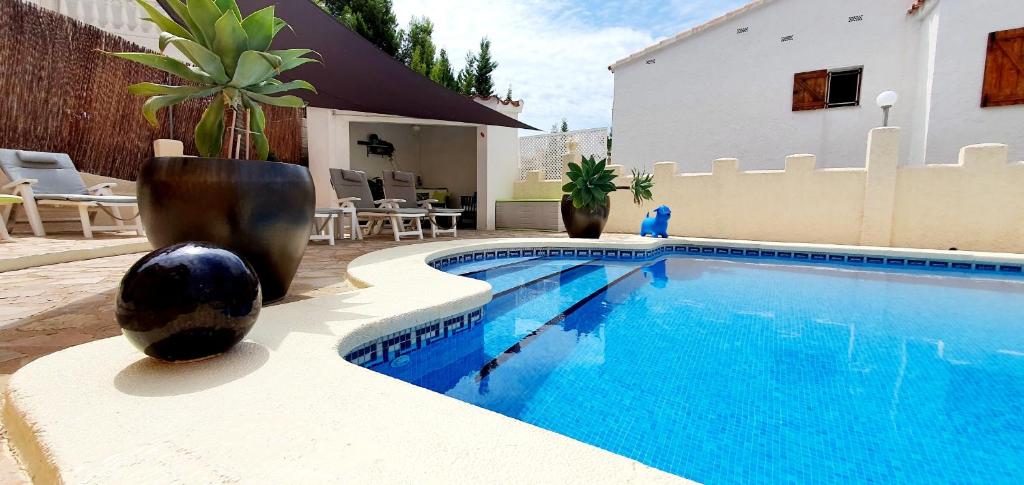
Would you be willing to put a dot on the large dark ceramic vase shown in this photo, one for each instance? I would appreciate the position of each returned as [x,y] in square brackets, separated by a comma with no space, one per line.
[263,211]
[586,223]
[188,302]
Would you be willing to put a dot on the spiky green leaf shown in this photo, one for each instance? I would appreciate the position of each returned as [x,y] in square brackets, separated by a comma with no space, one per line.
[205,14]
[202,57]
[152,89]
[209,133]
[181,10]
[278,87]
[229,6]
[274,61]
[156,103]
[231,41]
[279,24]
[164,22]
[292,58]
[259,26]
[292,64]
[164,63]
[280,101]
[253,69]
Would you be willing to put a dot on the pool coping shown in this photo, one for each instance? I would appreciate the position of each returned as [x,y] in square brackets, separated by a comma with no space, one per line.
[284,406]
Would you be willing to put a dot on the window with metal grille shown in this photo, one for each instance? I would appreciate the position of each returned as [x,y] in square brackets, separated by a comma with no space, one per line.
[844,87]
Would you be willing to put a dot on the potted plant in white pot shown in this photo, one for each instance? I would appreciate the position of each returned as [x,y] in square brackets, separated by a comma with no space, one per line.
[261,210]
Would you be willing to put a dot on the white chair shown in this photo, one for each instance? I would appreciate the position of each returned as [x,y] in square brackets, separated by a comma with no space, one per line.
[51,179]
[401,186]
[324,231]
[353,191]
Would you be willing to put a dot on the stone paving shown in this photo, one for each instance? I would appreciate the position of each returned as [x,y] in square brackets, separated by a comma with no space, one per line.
[29,245]
[49,308]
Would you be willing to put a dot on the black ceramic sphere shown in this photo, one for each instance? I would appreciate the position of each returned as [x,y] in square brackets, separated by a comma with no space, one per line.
[188,302]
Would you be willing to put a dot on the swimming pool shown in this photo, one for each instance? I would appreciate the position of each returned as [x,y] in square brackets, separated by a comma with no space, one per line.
[725,370]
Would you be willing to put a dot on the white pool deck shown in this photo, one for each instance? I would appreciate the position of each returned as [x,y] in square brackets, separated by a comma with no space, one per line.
[284,407]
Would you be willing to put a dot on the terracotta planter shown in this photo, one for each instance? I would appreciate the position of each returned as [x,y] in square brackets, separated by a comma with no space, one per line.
[262,211]
[584,223]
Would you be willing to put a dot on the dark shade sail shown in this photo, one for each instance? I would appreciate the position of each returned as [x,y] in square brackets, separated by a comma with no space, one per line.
[357,76]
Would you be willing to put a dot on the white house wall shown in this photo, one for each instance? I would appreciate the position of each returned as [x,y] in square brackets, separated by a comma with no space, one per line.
[956,117]
[719,93]
[448,158]
[407,148]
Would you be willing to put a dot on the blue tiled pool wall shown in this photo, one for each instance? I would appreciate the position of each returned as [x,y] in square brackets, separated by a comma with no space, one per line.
[389,347]
[717,251]
[385,349]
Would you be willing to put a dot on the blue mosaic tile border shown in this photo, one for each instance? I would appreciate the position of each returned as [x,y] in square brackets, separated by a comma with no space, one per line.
[389,347]
[774,254]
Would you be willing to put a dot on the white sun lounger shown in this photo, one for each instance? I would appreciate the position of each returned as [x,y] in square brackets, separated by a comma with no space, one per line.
[353,190]
[51,179]
[401,186]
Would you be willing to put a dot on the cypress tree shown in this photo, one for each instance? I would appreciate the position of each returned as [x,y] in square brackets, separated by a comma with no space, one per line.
[483,85]
[442,72]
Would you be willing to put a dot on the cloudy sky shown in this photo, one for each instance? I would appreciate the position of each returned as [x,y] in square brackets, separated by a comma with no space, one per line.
[555,53]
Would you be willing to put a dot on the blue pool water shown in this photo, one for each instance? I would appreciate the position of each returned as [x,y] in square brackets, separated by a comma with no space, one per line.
[728,371]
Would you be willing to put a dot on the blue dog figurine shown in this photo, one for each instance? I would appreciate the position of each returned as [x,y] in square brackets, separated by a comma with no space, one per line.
[656,226]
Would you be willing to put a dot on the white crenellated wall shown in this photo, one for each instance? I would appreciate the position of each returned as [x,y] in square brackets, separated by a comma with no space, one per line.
[973,204]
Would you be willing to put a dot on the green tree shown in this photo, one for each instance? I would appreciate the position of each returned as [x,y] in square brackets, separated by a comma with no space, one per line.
[372,19]
[508,94]
[466,80]
[485,65]
[565,126]
[418,48]
[442,72]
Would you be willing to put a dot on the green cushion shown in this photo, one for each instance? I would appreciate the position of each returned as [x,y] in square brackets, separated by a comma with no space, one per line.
[9,199]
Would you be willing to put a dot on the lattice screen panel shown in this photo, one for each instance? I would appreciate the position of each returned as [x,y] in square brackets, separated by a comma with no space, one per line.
[544,152]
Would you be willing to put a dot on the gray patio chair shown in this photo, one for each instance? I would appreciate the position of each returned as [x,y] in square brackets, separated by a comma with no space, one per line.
[353,190]
[401,186]
[51,179]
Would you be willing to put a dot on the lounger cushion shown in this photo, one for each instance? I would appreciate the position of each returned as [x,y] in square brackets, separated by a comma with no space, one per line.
[109,199]
[406,177]
[353,176]
[442,210]
[55,175]
[352,183]
[401,185]
[382,210]
[329,210]
[38,158]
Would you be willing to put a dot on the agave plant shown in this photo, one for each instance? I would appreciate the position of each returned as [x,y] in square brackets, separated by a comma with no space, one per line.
[589,183]
[641,186]
[230,62]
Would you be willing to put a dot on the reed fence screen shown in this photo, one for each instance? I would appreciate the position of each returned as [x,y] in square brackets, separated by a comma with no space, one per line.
[59,93]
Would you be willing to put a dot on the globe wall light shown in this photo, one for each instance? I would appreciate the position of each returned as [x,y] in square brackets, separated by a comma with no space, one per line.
[886,100]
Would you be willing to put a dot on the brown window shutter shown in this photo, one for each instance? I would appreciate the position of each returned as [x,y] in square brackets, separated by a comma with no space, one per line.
[810,90]
[1004,69]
